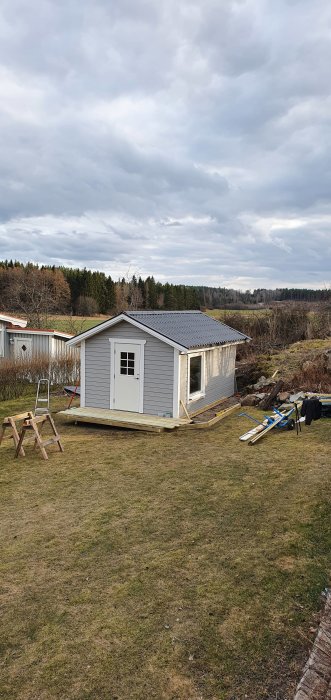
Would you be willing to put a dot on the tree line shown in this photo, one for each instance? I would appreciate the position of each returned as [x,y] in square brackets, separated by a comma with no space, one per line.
[38,291]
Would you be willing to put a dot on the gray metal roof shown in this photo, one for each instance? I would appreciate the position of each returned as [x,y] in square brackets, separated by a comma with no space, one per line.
[191,329]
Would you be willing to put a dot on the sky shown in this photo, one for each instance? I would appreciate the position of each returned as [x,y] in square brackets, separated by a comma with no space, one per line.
[185,139]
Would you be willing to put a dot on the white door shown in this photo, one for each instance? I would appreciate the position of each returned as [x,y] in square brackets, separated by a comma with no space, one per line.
[128,379]
[22,348]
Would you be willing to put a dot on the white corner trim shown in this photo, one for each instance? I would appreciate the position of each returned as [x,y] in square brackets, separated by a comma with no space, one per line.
[176,386]
[112,374]
[142,377]
[82,374]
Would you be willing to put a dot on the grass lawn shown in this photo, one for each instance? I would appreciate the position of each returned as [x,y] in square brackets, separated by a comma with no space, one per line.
[180,566]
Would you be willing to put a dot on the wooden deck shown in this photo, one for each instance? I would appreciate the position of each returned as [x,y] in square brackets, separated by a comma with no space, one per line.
[123,419]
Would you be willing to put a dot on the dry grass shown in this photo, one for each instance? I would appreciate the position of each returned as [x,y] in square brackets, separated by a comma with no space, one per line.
[181,566]
[289,360]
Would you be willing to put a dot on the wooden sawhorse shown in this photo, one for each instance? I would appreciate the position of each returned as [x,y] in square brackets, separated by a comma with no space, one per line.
[10,422]
[31,425]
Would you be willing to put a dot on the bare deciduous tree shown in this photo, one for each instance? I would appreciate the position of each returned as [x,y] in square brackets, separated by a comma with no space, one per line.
[35,293]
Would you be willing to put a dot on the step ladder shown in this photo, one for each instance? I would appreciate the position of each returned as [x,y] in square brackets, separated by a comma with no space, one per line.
[42,397]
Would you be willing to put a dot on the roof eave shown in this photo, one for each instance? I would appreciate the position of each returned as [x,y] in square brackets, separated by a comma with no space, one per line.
[222,344]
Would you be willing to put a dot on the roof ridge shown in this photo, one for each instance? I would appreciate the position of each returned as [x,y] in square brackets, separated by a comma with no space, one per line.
[161,311]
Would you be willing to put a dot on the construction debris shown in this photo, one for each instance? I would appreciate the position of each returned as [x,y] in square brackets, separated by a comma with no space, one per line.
[283,396]
[270,398]
[250,400]
[279,419]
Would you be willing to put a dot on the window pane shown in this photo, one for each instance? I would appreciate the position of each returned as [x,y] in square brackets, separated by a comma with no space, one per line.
[131,355]
[124,355]
[195,374]
[130,370]
[131,363]
[124,370]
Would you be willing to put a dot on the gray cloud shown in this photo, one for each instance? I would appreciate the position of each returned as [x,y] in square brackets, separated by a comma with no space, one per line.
[186,140]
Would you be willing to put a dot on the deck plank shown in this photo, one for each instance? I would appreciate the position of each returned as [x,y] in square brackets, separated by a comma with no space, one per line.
[123,419]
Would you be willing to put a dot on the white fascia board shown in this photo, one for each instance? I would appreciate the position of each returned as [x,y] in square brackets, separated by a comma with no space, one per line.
[113,321]
[205,348]
[30,331]
[65,336]
[11,319]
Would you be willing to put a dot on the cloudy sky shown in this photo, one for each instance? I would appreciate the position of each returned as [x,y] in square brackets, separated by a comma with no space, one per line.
[189,139]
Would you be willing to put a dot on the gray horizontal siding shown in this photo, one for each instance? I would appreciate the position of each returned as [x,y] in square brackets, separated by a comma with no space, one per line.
[220,373]
[158,369]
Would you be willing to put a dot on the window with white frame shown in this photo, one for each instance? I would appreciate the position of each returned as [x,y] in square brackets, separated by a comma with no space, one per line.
[196,376]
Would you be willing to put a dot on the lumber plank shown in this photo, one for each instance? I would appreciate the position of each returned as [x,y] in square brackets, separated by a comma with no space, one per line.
[213,421]
[257,437]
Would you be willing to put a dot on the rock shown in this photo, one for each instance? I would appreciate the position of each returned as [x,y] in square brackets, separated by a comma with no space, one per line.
[284,396]
[250,400]
[260,382]
[297,397]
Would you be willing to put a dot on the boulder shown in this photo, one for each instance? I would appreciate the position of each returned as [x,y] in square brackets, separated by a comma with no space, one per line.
[263,381]
[250,400]
[284,396]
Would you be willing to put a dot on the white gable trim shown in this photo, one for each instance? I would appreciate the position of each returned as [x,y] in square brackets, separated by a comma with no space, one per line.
[113,321]
[15,321]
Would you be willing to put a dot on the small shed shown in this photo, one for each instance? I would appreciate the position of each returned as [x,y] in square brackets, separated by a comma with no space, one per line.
[19,342]
[157,362]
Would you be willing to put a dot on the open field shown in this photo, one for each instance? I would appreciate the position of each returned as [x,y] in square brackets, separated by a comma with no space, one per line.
[221,314]
[74,324]
[175,566]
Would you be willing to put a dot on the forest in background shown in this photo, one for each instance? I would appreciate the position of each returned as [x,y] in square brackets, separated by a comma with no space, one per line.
[38,291]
